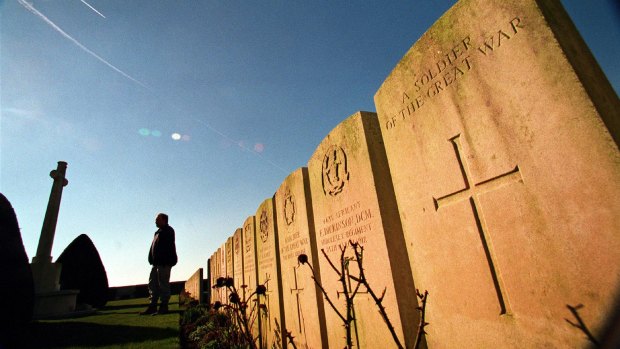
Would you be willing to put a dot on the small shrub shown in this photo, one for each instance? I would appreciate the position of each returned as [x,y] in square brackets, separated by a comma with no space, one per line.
[204,327]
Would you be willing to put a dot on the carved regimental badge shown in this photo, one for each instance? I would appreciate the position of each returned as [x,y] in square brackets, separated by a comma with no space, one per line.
[248,238]
[335,172]
[264,226]
[289,207]
[237,243]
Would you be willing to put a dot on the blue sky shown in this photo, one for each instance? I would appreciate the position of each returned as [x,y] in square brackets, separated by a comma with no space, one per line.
[199,109]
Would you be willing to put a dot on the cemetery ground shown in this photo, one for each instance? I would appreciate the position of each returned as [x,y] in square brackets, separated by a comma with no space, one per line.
[117,325]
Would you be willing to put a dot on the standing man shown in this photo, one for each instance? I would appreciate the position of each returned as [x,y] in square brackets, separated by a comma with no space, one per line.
[162,256]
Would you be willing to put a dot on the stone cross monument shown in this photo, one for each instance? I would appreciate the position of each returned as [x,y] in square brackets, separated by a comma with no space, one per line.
[44,251]
[49,299]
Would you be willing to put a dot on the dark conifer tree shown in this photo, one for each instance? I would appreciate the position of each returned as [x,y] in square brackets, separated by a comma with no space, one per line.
[17,291]
[83,270]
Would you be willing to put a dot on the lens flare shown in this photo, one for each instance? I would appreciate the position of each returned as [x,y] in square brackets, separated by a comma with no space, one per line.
[156,133]
[175,136]
[144,132]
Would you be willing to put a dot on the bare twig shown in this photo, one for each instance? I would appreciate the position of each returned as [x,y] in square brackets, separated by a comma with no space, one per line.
[325,293]
[289,338]
[423,323]
[350,291]
[580,324]
[359,251]
[330,262]
[344,272]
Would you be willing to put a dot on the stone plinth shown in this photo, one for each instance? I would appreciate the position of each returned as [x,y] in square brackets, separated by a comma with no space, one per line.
[54,304]
[46,276]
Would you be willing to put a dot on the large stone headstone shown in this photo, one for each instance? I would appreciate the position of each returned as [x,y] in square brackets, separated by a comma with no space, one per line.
[237,246]
[224,272]
[208,289]
[250,271]
[219,274]
[353,199]
[499,129]
[17,292]
[214,274]
[271,323]
[83,270]
[303,310]
[230,263]
[193,286]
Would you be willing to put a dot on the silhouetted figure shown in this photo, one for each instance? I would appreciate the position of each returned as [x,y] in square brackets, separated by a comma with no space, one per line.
[162,256]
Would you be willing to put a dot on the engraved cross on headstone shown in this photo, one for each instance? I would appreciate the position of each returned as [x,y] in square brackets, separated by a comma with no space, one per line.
[297,290]
[471,193]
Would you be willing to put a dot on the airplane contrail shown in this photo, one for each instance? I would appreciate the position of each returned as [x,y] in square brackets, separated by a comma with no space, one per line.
[92,8]
[30,8]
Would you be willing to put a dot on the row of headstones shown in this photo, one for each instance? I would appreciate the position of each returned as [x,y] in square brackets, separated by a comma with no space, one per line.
[193,289]
[341,196]
[489,177]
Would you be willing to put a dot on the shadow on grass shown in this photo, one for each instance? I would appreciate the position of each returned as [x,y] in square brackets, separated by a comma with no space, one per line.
[80,334]
[124,306]
[137,312]
[141,305]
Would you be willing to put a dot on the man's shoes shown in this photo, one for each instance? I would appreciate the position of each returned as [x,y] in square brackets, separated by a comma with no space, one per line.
[151,310]
[163,309]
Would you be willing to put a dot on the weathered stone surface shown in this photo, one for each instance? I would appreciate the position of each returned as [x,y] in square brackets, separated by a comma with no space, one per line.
[237,246]
[250,271]
[207,289]
[353,199]
[193,286]
[497,130]
[271,313]
[46,239]
[17,292]
[230,270]
[223,272]
[217,292]
[83,270]
[303,310]
[213,276]
[230,261]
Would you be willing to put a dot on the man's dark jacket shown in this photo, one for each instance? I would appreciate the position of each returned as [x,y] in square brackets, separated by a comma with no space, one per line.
[163,250]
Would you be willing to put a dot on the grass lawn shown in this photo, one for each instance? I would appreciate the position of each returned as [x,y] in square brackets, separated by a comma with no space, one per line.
[117,325]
